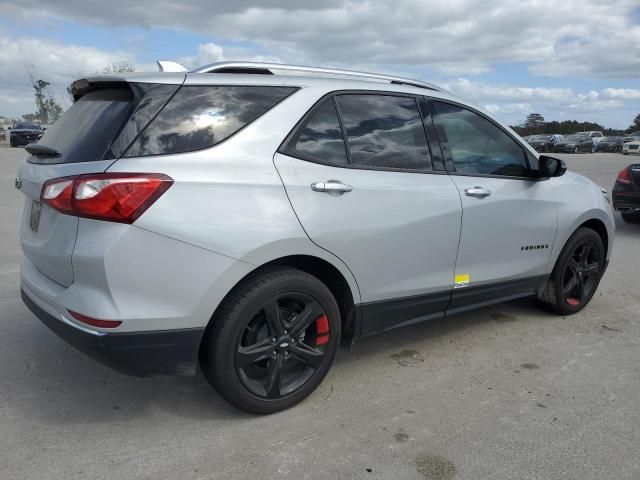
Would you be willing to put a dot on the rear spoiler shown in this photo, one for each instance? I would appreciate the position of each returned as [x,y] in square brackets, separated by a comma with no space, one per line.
[84,85]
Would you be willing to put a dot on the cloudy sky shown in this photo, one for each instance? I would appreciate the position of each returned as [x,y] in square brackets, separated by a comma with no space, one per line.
[575,59]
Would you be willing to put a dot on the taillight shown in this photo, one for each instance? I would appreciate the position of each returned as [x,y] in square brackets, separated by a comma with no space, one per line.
[114,197]
[624,176]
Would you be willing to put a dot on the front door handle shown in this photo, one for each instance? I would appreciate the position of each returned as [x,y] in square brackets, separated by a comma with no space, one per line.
[332,187]
[478,192]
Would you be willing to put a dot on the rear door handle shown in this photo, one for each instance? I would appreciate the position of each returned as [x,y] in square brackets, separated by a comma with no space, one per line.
[478,192]
[332,187]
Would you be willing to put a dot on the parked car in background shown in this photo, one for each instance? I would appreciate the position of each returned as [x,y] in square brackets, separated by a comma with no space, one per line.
[575,144]
[595,135]
[630,137]
[610,144]
[544,143]
[24,133]
[179,217]
[3,134]
[632,147]
[626,193]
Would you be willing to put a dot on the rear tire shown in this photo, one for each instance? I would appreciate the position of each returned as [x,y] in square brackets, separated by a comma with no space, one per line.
[631,217]
[574,279]
[258,354]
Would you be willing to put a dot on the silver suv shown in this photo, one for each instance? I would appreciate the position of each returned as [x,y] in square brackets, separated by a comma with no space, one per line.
[248,218]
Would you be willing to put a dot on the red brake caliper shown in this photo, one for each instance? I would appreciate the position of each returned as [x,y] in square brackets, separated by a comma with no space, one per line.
[322,330]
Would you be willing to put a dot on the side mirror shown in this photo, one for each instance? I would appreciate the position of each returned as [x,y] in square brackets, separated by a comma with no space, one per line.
[8,128]
[551,167]
[44,129]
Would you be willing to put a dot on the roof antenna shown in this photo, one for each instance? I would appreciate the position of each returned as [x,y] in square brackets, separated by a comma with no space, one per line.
[170,66]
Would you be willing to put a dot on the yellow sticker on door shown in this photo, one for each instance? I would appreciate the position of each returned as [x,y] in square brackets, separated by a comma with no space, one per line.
[461,281]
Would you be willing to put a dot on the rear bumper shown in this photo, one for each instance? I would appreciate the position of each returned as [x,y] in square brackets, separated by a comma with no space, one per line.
[169,352]
[626,202]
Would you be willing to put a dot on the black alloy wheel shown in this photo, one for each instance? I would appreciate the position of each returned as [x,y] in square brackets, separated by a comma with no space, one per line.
[576,274]
[581,274]
[282,346]
[272,340]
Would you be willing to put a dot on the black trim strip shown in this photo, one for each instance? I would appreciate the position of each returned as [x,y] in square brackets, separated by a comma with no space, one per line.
[380,316]
[468,298]
[387,314]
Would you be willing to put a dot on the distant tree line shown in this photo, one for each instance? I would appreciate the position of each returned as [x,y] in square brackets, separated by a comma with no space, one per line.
[536,124]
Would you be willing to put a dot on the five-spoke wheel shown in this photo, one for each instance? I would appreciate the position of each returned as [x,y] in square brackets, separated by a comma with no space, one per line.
[576,274]
[272,340]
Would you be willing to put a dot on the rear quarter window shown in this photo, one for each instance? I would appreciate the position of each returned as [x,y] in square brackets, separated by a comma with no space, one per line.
[199,117]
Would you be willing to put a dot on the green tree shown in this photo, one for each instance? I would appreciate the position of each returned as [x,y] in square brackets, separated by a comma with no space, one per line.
[534,121]
[47,108]
[635,126]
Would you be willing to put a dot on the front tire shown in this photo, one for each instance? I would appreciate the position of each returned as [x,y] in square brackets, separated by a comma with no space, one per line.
[272,340]
[576,274]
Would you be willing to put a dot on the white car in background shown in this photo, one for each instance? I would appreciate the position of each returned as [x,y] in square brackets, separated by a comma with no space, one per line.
[596,136]
[632,147]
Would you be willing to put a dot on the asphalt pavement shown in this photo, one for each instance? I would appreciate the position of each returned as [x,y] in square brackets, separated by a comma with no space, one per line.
[505,392]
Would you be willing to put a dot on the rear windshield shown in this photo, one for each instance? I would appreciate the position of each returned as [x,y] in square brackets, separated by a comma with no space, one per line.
[84,132]
[199,117]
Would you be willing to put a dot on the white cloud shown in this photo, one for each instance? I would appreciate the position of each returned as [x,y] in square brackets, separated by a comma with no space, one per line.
[55,62]
[622,93]
[573,37]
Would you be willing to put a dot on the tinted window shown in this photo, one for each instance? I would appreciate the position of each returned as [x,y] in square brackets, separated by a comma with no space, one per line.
[384,131]
[151,99]
[320,139]
[200,117]
[84,132]
[479,146]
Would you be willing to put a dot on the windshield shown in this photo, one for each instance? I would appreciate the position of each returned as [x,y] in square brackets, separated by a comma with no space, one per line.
[544,137]
[29,126]
[610,139]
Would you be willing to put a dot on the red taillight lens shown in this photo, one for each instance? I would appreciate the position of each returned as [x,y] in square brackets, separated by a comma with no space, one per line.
[58,193]
[624,176]
[115,197]
[94,322]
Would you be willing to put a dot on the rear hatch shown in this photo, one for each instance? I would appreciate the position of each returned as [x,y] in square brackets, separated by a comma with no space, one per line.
[107,115]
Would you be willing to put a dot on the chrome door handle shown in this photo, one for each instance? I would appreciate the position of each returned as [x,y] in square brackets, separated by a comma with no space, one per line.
[332,187]
[478,192]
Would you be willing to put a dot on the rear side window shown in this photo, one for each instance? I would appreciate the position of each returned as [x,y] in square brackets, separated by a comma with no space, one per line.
[320,138]
[199,117]
[479,146]
[384,131]
[84,132]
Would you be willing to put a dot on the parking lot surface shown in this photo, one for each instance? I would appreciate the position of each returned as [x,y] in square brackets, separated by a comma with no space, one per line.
[505,392]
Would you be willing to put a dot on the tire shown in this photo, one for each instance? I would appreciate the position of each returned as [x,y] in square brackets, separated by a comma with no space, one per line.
[631,217]
[554,297]
[242,319]
[576,150]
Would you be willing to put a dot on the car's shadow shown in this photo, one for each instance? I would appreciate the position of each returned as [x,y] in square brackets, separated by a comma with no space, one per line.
[57,384]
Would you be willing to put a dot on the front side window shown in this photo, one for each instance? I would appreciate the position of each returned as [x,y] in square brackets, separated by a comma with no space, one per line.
[320,138]
[384,131]
[479,146]
[199,117]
